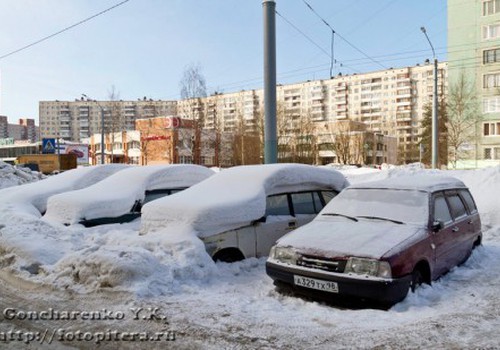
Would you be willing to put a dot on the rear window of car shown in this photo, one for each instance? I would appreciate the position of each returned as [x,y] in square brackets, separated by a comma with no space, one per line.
[469,201]
[303,203]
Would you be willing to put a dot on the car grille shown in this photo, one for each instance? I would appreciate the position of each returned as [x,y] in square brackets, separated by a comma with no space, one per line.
[332,265]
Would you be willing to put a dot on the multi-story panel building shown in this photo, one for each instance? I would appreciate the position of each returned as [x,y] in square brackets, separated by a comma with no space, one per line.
[391,102]
[26,130]
[81,118]
[474,54]
[4,122]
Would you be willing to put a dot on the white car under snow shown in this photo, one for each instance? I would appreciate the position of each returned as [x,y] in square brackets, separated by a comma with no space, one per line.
[119,198]
[240,212]
[31,199]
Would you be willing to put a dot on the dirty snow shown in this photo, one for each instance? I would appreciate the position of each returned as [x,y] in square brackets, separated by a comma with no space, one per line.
[236,303]
[115,195]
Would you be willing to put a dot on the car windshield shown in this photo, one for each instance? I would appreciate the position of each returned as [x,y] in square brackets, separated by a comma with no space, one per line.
[406,206]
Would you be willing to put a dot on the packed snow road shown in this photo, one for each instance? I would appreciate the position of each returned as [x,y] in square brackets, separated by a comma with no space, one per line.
[181,293]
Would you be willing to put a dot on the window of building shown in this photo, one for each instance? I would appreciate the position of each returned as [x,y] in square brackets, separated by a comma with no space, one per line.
[185,160]
[487,153]
[491,31]
[491,56]
[490,7]
[491,80]
[491,129]
[491,104]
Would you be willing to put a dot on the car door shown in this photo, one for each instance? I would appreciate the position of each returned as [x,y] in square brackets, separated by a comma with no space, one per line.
[441,242]
[461,230]
[278,221]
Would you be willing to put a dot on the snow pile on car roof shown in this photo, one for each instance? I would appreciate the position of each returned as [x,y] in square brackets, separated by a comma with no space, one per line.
[117,194]
[31,199]
[12,176]
[235,197]
[421,181]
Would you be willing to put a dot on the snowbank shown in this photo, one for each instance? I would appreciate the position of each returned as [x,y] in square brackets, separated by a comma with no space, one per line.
[148,265]
[13,176]
[115,195]
[234,197]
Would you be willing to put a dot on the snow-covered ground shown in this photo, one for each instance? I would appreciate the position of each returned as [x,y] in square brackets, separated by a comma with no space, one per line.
[236,304]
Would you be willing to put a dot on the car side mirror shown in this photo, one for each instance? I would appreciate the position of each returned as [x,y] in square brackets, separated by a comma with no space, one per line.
[437,226]
[262,219]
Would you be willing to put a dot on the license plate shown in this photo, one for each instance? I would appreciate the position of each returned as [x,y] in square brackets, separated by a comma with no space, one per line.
[326,286]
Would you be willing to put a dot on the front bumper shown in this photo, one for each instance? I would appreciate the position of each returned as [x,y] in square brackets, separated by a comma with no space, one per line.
[385,291]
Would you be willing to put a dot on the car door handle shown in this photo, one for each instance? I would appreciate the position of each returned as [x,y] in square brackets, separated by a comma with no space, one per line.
[455,229]
[291,224]
[470,222]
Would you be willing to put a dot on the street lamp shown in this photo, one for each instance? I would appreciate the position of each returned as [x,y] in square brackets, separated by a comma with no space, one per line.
[435,124]
[102,127]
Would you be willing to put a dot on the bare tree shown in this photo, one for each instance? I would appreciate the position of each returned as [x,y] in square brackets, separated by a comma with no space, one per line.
[116,121]
[193,89]
[463,115]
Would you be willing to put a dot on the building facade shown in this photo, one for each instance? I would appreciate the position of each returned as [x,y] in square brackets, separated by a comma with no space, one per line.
[474,55]
[26,130]
[82,118]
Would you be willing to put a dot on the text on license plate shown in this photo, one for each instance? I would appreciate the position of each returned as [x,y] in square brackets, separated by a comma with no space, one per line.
[313,283]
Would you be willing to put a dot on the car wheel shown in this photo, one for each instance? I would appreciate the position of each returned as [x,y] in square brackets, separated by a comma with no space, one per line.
[229,256]
[416,279]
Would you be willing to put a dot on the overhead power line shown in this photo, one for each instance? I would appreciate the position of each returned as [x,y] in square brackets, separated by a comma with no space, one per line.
[63,30]
[341,37]
[315,44]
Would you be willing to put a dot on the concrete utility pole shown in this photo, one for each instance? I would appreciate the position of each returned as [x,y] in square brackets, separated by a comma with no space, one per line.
[435,124]
[270,134]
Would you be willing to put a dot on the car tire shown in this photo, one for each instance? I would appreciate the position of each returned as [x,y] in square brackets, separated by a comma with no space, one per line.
[417,279]
[229,256]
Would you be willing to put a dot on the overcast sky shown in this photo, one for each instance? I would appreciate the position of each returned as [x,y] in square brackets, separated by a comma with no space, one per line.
[143,46]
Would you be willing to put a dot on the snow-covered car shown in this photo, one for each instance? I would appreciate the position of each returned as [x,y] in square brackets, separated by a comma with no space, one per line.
[376,240]
[119,198]
[240,212]
[31,198]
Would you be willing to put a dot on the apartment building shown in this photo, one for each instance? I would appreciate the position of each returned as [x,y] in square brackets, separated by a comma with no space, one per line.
[26,130]
[474,54]
[390,102]
[81,118]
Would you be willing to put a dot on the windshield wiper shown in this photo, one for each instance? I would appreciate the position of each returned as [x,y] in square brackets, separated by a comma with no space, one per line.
[344,216]
[380,218]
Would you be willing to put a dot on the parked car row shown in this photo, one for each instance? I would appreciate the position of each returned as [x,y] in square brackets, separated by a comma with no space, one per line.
[323,237]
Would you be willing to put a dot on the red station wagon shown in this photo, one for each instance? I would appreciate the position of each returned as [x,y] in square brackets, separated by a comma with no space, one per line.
[376,240]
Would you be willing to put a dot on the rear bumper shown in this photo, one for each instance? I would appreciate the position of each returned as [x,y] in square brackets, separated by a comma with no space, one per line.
[383,291]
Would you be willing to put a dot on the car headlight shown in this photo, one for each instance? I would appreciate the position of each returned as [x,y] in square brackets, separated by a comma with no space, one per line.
[369,267]
[284,254]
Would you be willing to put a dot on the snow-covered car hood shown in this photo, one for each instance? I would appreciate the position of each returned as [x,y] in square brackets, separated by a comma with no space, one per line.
[341,237]
[235,197]
[117,194]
